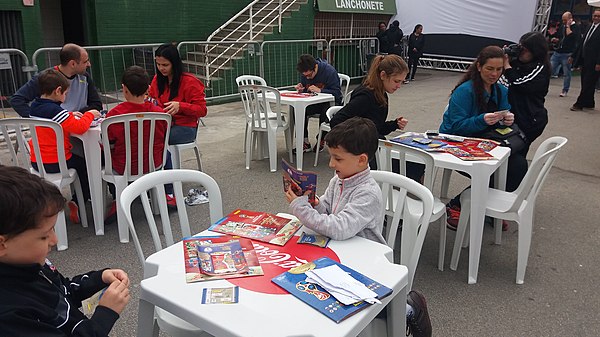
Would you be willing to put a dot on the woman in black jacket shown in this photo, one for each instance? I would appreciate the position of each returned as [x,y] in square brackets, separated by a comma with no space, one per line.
[416,43]
[370,99]
[527,77]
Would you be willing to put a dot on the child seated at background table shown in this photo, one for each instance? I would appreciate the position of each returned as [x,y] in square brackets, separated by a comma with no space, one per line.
[53,88]
[352,202]
[36,299]
[135,83]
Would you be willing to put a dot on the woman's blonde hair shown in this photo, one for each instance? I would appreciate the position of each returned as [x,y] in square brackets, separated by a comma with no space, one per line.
[390,64]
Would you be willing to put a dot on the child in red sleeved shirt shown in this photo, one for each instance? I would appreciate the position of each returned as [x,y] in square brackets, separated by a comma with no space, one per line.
[135,82]
[53,89]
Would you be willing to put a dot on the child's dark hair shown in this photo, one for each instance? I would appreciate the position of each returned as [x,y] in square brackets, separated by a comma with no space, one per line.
[25,199]
[356,135]
[136,79]
[306,62]
[51,79]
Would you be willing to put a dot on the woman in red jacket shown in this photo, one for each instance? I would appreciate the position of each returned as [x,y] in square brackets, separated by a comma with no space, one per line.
[180,94]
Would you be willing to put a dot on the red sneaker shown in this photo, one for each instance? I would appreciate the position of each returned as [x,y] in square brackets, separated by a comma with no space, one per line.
[452,217]
[171,201]
[73,212]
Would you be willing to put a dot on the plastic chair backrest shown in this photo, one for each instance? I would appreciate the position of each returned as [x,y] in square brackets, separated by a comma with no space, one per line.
[250,79]
[156,180]
[254,99]
[34,125]
[17,157]
[413,229]
[344,83]
[388,150]
[127,121]
[332,111]
[538,171]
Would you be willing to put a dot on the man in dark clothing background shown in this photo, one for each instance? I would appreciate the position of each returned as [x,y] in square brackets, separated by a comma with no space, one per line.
[566,41]
[587,55]
[317,76]
[395,35]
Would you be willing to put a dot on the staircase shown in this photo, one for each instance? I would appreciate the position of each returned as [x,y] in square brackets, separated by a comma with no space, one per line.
[257,19]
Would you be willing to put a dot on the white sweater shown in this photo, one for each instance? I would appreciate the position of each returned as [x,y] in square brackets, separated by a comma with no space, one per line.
[349,207]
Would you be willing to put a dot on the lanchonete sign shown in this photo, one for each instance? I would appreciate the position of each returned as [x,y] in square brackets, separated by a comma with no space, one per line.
[358,6]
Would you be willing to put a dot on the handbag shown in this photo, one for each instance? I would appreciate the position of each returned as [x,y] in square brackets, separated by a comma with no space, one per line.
[508,136]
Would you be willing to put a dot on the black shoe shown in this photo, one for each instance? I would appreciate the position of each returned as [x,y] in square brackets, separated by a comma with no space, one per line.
[575,107]
[419,324]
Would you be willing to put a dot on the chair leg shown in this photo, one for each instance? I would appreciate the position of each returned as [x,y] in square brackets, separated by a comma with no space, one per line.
[525,234]
[122,225]
[272,140]
[249,144]
[175,156]
[288,143]
[80,202]
[60,228]
[442,252]
[318,145]
[463,224]
[445,183]
[198,158]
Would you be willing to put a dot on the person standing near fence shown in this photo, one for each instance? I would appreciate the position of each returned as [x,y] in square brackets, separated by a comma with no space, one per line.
[382,37]
[588,56]
[82,97]
[566,41]
[395,35]
[416,43]
[180,94]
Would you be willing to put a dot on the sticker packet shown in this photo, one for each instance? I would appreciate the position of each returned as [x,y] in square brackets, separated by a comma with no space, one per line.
[314,239]
[220,295]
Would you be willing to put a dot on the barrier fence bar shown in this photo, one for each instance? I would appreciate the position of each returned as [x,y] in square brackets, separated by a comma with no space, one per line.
[352,56]
[14,72]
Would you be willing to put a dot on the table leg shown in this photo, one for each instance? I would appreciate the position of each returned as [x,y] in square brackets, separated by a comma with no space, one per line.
[146,324]
[479,191]
[500,183]
[396,315]
[93,153]
[299,114]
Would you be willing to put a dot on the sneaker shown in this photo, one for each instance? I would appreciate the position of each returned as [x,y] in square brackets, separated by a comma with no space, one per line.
[452,217]
[305,148]
[73,212]
[554,76]
[171,201]
[418,324]
[563,94]
[490,221]
[111,215]
[321,146]
[575,107]
[406,81]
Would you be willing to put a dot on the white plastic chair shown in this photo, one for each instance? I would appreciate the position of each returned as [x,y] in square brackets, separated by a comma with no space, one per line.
[518,206]
[344,84]
[66,177]
[17,158]
[176,149]
[325,127]
[133,122]
[399,192]
[142,188]
[256,80]
[254,99]
[390,150]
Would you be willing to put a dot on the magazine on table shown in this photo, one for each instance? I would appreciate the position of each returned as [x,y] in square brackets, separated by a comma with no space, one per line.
[299,181]
[219,257]
[294,281]
[259,226]
[464,148]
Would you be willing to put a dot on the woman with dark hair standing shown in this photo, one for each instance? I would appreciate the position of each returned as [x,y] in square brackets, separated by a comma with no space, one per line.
[180,94]
[416,43]
[475,106]
[527,77]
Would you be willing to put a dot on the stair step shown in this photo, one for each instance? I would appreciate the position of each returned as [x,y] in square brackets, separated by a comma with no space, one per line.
[203,64]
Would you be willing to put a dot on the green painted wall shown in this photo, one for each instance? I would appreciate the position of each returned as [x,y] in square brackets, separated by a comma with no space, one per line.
[32,23]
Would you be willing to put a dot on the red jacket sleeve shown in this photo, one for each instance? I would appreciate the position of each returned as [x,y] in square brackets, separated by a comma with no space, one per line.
[77,126]
[193,102]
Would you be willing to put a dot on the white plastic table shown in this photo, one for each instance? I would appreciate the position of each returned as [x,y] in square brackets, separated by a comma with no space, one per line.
[269,315]
[93,153]
[480,172]
[299,105]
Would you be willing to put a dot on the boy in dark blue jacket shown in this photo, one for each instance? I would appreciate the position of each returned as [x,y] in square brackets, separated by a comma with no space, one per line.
[317,76]
[36,299]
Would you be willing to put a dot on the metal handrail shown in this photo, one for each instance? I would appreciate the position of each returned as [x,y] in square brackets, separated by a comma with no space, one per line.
[249,6]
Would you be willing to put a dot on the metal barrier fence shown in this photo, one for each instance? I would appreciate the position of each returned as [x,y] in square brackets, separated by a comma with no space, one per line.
[218,63]
[444,62]
[108,64]
[352,56]
[14,72]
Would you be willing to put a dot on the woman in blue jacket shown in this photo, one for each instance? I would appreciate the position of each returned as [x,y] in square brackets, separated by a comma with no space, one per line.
[474,106]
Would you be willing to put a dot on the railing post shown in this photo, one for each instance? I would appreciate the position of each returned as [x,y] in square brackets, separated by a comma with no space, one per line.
[279,18]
